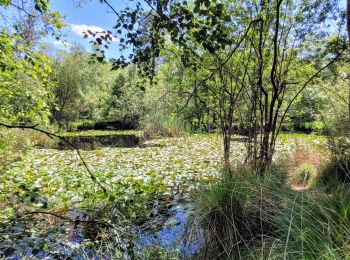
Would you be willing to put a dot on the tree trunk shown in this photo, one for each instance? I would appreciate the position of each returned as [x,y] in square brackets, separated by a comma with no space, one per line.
[227,142]
[349,104]
[348,29]
[348,18]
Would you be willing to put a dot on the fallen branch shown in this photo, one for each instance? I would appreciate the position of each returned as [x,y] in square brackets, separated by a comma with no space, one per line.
[75,220]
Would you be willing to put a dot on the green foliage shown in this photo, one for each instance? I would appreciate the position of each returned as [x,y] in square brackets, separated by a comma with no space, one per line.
[82,88]
[337,169]
[220,64]
[94,93]
[80,124]
[25,85]
[126,96]
[306,112]
[336,88]
[101,133]
[25,88]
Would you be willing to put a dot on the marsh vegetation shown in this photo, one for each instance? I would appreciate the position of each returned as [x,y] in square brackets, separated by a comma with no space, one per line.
[215,130]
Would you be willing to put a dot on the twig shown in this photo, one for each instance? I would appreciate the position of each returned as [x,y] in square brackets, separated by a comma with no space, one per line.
[76,220]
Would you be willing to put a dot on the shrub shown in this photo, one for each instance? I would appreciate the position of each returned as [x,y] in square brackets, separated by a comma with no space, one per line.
[33,138]
[155,130]
[14,141]
[340,148]
[305,164]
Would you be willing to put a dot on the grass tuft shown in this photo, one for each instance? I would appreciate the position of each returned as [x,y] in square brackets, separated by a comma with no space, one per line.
[246,217]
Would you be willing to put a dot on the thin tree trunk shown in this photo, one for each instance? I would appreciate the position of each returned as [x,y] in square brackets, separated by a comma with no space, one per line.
[227,142]
[349,104]
[348,19]
[348,29]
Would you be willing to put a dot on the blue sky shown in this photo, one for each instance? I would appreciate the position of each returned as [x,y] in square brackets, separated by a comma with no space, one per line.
[90,15]
[94,16]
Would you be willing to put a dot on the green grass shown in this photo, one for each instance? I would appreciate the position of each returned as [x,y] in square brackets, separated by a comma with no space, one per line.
[245,217]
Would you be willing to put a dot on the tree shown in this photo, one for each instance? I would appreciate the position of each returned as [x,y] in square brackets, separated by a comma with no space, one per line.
[264,40]
[348,18]
[24,82]
[67,74]
[125,101]
[25,85]
[83,87]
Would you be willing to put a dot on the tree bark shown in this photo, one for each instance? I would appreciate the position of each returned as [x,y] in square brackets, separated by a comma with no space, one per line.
[227,141]
[348,29]
[348,18]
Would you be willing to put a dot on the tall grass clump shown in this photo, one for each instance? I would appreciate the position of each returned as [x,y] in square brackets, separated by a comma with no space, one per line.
[243,216]
[14,141]
[305,164]
[233,214]
[308,226]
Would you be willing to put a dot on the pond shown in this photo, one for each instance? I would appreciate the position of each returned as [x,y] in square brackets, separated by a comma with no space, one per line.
[159,171]
[170,239]
[91,140]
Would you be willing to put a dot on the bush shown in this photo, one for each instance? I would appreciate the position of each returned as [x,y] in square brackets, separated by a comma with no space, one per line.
[14,141]
[155,130]
[305,165]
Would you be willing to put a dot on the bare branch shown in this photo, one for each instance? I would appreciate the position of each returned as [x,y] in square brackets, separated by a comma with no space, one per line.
[302,88]
[76,220]
[52,135]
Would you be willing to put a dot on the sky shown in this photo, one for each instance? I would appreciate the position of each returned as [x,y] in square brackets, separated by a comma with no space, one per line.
[90,15]
[83,15]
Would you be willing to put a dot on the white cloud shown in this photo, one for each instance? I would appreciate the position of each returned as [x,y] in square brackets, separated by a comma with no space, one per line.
[81,29]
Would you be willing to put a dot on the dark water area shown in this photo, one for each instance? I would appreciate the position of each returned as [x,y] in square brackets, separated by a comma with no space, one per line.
[174,234]
[95,142]
[131,123]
